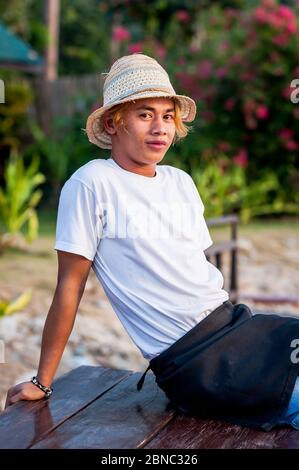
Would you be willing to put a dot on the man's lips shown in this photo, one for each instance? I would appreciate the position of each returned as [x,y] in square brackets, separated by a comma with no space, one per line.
[155,144]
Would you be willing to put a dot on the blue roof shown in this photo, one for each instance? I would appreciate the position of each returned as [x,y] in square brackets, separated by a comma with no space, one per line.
[15,50]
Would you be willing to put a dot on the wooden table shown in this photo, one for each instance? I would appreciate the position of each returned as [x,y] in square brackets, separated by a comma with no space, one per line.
[100,408]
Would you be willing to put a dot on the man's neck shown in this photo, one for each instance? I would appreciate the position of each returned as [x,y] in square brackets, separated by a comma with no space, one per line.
[136,167]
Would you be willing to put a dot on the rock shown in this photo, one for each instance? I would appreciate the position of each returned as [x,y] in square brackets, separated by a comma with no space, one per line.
[245,246]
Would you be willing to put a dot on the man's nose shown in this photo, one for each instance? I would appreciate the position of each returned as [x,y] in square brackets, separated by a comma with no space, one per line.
[159,126]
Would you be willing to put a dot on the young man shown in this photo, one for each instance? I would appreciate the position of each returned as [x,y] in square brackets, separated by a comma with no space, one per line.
[140,226]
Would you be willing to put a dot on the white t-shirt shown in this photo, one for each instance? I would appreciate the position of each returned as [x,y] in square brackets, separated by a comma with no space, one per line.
[146,237]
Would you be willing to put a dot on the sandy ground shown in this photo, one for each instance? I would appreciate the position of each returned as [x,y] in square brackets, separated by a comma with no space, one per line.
[268,265]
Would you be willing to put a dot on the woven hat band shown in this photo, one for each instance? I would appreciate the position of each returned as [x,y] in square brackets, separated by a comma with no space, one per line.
[133,80]
[140,90]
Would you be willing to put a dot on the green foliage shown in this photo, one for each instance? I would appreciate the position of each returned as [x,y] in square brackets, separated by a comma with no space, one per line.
[19,197]
[25,18]
[8,307]
[66,149]
[238,67]
[84,37]
[54,153]
[226,190]
[84,45]
[235,58]
[14,113]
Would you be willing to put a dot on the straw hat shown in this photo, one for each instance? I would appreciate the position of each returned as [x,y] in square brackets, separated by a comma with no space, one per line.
[134,77]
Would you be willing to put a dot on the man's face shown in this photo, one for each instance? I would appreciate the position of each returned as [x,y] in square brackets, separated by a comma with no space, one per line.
[148,132]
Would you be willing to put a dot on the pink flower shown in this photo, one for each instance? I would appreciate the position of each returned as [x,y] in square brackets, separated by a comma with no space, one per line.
[231,12]
[224,46]
[286,92]
[291,27]
[135,47]
[248,75]
[120,34]
[286,136]
[262,112]
[280,17]
[221,72]
[229,104]
[185,79]
[181,61]
[204,69]
[286,133]
[275,20]
[241,158]
[183,16]
[161,51]
[236,59]
[194,48]
[261,15]
[286,13]
[223,146]
[281,40]
[291,145]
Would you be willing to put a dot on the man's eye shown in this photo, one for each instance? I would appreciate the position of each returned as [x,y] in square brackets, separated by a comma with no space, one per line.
[168,116]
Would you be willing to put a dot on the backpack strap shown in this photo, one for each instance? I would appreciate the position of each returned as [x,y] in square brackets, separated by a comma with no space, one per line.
[140,382]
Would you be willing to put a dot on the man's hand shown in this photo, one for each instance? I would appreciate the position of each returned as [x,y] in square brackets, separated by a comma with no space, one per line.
[23,391]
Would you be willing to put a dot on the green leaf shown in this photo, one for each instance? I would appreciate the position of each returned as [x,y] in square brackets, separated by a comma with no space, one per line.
[19,304]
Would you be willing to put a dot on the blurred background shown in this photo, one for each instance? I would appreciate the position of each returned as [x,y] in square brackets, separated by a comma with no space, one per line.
[239,60]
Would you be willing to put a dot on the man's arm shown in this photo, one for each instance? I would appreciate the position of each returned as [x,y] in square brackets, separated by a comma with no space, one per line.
[73,272]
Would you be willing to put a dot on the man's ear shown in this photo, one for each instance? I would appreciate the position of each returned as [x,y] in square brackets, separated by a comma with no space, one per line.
[108,124]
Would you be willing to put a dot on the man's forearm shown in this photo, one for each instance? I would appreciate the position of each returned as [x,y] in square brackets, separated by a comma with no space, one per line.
[57,329]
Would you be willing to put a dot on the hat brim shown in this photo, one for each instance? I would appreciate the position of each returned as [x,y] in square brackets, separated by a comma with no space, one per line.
[94,126]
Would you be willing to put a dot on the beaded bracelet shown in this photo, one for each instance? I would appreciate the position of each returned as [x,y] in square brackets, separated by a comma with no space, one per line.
[48,391]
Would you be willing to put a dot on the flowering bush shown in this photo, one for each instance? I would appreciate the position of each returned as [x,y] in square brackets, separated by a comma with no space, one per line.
[236,58]
[239,68]
[238,65]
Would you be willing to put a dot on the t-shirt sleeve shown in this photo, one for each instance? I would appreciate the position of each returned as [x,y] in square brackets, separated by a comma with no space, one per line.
[205,237]
[78,228]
